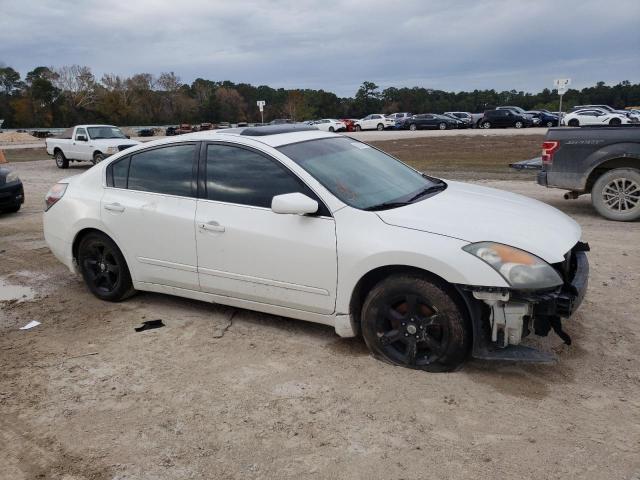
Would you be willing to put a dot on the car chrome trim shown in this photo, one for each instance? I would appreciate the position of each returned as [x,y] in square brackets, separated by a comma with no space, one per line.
[163,263]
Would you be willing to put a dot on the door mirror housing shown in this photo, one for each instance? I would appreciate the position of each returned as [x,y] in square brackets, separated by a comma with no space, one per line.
[81,138]
[293,203]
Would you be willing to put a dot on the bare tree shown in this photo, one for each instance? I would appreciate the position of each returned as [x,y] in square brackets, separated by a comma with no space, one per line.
[78,84]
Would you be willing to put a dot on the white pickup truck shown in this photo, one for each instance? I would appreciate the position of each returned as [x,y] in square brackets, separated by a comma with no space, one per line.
[91,143]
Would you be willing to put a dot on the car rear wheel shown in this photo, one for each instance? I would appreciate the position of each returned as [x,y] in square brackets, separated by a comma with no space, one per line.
[574,122]
[549,124]
[331,129]
[61,160]
[518,124]
[358,128]
[380,127]
[411,321]
[616,194]
[442,126]
[98,157]
[486,125]
[104,268]
[413,127]
[615,121]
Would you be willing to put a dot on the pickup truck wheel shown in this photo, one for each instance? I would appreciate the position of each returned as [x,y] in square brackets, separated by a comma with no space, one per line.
[61,160]
[380,127]
[98,157]
[411,321]
[574,122]
[616,194]
[104,268]
[518,124]
[486,125]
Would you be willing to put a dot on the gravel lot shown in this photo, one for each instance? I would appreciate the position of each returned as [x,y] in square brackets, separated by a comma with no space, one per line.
[230,394]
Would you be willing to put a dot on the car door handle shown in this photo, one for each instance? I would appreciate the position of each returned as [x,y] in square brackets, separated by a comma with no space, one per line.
[114,207]
[212,226]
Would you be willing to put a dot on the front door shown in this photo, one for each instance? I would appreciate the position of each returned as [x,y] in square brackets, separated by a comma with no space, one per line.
[247,251]
[149,205]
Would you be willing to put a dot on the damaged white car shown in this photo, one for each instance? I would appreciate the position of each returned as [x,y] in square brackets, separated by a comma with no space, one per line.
[311,225]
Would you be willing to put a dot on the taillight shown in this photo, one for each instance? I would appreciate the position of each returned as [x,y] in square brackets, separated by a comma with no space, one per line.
[548,149]
[54,194]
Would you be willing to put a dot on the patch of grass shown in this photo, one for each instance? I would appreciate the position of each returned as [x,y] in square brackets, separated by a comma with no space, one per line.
[25,154]
[467,158]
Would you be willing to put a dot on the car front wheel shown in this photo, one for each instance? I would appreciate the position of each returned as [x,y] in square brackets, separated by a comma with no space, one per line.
[358,128]
[442,126]
[98,157]
[518,125]
[486,125]
[104,268]
[616,194]
[380,127]
[413,127]
[412,321]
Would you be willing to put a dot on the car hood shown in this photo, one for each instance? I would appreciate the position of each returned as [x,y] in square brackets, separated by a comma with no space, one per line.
[474,214]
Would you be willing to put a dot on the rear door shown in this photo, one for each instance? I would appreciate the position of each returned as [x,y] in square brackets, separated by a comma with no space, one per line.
[247,251]
[149,207]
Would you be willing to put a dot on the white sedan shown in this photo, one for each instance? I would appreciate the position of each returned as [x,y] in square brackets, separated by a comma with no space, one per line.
[320,227]
[594,116]
[375,121]
[329,125]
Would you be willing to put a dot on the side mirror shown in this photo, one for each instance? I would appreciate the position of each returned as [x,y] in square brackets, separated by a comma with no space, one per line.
[293,203]
[81,138]
[128,136]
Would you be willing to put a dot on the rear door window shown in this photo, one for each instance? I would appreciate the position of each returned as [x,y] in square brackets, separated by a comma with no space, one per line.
[168,170]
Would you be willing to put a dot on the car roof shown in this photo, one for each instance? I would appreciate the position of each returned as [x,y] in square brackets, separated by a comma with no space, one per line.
[272,135]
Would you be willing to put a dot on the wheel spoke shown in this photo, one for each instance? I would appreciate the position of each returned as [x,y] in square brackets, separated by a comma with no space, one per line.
[394,316]
[433,345]
[391,336]
[412,350]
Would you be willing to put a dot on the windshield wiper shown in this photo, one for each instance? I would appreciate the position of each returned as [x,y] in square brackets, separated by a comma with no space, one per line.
[385,206]
[433,188]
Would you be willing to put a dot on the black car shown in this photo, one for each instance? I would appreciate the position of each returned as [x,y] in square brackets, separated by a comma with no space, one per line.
[11,191]
[547,119]
[504,118]
[429,120]
[459,123]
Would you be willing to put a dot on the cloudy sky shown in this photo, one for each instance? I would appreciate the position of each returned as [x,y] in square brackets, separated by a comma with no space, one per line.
[449,45]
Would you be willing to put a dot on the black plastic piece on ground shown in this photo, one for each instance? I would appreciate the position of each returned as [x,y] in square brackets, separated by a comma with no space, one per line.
[516,353]
[149,325]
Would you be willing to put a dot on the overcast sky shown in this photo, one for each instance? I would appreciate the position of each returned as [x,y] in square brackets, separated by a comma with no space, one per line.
[335,45]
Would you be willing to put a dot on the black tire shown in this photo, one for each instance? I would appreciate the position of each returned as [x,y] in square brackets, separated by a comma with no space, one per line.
[442,126]
[616,194]
[550,124]
[486,125]
[98,157]
[615,121]
[574,122]
[104,268]
[12,209]
[358,128]
[380,127]
[518,124]
[411,321]
[413,127]
[61,160]
[331,129]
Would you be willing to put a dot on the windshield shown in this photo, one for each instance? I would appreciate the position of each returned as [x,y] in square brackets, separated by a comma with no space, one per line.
[97,133]
[358,174]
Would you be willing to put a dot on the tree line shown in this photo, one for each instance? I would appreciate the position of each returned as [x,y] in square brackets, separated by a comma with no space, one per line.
[64,96]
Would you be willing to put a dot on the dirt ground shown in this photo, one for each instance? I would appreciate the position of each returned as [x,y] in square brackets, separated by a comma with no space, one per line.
[220,393]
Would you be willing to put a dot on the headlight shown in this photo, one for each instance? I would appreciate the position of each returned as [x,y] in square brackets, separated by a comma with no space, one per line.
[112,150]
[12,177]
[520,269]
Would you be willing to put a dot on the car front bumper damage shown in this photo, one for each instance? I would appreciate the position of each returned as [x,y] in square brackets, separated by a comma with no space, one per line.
[503,317]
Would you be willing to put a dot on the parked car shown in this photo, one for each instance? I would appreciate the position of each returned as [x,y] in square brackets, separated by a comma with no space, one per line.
[399,118]
[91,143]
[594,117]
[317,226]
[350,123]
[185,128]
[146,132]
[329,125]
[429,121]
[11,191]
[545,119]
[518,111]
[604,162]
[170,131]
[375,121]
[205,126]
[502,118]
[466,117]
[458,122]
